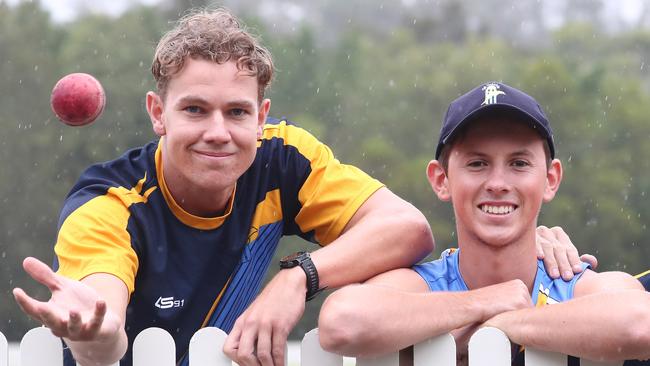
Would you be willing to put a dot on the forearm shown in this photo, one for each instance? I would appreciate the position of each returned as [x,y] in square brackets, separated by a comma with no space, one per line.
[602,326]
[100,352]
[369,320]
[378,243]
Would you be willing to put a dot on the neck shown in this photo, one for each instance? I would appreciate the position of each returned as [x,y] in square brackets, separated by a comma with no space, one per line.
[483,265]
[197,201]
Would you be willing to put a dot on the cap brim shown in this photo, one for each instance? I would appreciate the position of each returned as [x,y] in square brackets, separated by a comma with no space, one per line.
[481,111]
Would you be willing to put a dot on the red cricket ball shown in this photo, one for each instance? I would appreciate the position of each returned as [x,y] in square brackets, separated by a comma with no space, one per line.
[77,99]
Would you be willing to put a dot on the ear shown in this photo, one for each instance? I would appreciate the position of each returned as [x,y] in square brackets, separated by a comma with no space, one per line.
[155,109]
[438,180]
[265,106]
[553,179]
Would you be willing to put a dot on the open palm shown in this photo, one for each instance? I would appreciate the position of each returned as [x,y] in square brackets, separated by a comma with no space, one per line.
[75,310]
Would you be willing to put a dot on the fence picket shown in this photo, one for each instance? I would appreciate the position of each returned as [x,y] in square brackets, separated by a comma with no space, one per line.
[439,351]
[391,359]
[153,346]
[535,357]
[311,352]
[39,347]
[489,347]
[206,348]
[4,350]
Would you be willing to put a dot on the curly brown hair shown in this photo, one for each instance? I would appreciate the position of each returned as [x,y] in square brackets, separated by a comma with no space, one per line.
[214,35]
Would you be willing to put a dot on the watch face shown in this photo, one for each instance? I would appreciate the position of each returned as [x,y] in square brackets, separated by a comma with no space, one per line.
[292,260]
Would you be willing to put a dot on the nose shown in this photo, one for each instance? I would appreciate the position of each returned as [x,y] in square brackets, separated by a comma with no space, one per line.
[217,129]
[497,181]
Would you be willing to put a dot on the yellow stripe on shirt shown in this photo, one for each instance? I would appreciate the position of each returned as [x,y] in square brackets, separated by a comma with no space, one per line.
[94,238]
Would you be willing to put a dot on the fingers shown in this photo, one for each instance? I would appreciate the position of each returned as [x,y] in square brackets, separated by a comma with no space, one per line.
[252,343]
[42,312]
[57,323]
[68,324]
[240,343]
[98,317]
[558,252]
[40,272]
[588,258]
[279,346]
[247,354]
[564,267]
[231,345]
[545,239]
[264,352]
[39,311]
[541,237]
[574,264]
[29,305]
[74,324]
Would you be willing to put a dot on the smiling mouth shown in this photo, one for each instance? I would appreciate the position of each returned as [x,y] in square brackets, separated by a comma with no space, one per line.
[497,210]
[212,154]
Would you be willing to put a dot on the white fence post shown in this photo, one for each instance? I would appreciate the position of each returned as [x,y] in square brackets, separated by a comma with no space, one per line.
[391,359]
[153,346]
[489,347]
[39,347]
[535,357]
[312,354]
[439,351]
[4,350]
[206,348]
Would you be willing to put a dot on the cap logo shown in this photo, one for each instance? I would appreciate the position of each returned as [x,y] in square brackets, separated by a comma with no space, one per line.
[491,93]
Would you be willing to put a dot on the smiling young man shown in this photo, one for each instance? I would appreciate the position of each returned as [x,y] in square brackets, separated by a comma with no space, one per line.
[495,162]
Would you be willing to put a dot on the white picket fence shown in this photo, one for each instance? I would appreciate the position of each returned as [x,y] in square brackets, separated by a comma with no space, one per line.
[154,346]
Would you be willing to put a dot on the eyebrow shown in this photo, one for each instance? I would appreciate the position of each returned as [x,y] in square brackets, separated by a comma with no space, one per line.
[242,103]
[197,99]
[192,99]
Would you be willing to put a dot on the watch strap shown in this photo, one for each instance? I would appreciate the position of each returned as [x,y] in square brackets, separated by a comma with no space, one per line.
[312,277]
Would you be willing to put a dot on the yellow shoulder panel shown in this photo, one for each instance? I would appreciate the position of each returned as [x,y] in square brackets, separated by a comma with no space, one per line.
[94,238]
[333,192]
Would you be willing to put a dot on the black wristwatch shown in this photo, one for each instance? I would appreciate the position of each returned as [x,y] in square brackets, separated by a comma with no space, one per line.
[303,260]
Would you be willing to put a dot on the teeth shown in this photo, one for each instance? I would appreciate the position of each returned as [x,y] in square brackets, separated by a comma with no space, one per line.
[498,210]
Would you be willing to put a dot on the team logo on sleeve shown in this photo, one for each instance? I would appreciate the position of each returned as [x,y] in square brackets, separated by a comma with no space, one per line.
[491,93]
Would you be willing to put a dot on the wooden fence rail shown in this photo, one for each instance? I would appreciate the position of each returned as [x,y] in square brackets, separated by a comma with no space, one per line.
[154,346]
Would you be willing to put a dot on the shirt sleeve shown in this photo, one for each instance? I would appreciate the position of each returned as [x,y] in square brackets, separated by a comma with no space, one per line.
[94,239]
[330,192]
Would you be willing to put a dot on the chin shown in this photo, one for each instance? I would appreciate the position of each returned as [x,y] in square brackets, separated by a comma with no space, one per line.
[498,239]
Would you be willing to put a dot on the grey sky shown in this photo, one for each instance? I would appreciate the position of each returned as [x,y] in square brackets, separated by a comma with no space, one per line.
[65,10]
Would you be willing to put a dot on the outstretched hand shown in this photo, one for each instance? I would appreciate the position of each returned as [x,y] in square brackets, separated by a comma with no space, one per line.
[560,256]
[75,311]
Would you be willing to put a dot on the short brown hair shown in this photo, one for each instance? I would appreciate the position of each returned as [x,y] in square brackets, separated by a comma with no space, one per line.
[214,35]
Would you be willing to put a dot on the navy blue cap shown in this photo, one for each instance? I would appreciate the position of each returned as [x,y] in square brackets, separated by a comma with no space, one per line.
[488,97]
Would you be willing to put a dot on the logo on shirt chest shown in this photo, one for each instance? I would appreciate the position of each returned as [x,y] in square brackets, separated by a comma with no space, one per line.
[544,297]
[169,302]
